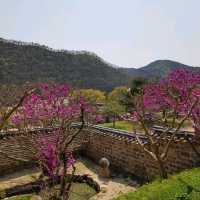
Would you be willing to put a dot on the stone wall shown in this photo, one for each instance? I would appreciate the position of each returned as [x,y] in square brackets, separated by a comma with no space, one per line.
[125,154]
[16,149]
[121,149]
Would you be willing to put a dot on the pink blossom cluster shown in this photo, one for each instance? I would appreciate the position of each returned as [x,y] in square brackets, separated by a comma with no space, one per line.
[70,160]
[99,118]
[155,97]
[48,155]
[16,119]
[49,158]
[52,103]
[176,92]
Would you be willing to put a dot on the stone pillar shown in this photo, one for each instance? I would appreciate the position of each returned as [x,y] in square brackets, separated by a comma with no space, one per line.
[104,171]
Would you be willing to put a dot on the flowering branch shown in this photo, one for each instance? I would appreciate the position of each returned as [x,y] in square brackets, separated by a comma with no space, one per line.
[8,114]
[175,96]
[164,154]
[54,105]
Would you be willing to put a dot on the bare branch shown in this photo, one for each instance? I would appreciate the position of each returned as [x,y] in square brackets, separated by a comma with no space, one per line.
[7,115]
[144,148]
[78,131]
[166,149]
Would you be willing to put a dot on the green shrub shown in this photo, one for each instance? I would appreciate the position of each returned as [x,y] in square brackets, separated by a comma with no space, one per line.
[184,186]
[21,197]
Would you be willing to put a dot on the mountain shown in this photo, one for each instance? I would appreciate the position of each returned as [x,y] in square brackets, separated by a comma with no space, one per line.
[157,69]
[22,62]
[29,62]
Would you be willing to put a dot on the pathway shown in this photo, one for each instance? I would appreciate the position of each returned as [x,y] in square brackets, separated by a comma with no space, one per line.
[110,188]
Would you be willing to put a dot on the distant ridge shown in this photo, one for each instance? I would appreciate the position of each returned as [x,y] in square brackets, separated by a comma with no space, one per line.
[22,62]
[158,69]
[74,52]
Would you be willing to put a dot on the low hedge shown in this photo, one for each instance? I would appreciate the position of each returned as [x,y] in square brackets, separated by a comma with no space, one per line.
[183,186]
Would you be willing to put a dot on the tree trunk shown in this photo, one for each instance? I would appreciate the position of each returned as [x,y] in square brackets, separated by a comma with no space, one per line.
[63,177]
[114,122]
[107,119]
[162,170]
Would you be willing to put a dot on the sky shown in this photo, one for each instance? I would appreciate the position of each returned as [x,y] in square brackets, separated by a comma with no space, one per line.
[127,33]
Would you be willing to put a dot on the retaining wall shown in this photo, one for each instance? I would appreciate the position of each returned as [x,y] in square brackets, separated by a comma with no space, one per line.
[16,147]
[125,154]
[119,147]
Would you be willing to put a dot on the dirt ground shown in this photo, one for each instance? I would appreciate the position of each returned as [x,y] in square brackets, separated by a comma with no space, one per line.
[110,188]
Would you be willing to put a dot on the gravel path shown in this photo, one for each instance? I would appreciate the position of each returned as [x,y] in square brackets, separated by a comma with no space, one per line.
[110,188]
[18,178]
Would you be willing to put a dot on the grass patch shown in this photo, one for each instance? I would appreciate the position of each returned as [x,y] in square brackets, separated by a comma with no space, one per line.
[21,197]
[79,191]
[184,186]
[131,126]
[122,125]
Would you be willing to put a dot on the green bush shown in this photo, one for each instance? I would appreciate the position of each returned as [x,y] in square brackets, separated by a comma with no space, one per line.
[21,197]
[184,186]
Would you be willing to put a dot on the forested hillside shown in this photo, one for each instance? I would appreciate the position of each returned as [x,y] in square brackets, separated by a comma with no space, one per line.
[23,62]
[157,69]
[29,62]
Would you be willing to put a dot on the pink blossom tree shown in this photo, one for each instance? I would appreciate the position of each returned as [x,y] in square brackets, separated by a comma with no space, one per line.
[54,106]
[7,110]
[169,103]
